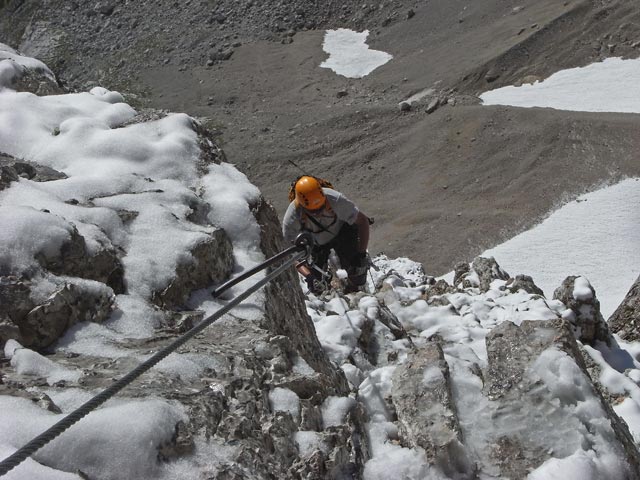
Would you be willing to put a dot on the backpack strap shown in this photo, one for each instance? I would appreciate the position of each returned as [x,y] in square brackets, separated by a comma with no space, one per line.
[317,223]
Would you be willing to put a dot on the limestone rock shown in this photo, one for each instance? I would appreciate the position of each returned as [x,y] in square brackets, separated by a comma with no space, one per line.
[625,321]
[585,318]
[441,287]
[68,305]
[527,365]
[525,282]
[286,314]
[74,260]
[211,262]
[15,304]
[422,381]
[7,175]
[12,169]
[34,81]
[460,270]
[487,270]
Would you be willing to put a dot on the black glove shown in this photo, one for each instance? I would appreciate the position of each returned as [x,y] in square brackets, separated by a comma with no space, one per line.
[315,283]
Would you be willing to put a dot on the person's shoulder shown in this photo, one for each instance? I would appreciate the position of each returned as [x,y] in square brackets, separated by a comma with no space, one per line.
[331,193]
[291,209]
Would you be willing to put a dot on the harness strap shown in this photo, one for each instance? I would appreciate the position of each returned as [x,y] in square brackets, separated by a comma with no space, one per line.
[320,225]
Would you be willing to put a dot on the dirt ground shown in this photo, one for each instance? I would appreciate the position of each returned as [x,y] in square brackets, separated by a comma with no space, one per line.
[443,186]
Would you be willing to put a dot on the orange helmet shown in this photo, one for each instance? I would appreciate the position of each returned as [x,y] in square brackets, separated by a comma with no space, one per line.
[309,193]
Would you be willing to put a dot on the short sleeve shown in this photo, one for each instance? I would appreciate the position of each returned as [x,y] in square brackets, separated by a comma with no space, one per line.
[290,224]
[345,209]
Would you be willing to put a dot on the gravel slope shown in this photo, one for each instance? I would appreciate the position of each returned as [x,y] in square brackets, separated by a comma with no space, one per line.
[442,186]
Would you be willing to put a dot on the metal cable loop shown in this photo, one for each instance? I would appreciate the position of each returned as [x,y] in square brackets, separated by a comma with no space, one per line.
[48,435]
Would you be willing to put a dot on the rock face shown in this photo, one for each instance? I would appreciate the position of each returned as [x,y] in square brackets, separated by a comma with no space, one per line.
[625,321]
[38,326]
[12,169]
[211,262]
[426,410]
[524,378]
[74,260]
[286,314]
[586,320]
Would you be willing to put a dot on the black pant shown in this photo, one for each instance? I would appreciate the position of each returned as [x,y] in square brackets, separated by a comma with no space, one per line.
[345,244]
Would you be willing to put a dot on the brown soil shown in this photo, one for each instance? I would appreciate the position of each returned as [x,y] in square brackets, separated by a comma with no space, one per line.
[443,186]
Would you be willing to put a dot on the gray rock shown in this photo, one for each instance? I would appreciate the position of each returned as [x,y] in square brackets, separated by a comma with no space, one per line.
[488,270]
[525,282]
[15,304]
[460,270]
[68,305]
[424,380]
[211,262]
[587,321]
[287,314]
[433,105]
[625,321]
[405,107]
[441,287]
[533,416]
[7,175]
[74,260]
[105,8]
[12,169]
[491,76]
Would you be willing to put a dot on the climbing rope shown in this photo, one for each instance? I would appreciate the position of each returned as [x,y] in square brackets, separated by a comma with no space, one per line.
[301,249]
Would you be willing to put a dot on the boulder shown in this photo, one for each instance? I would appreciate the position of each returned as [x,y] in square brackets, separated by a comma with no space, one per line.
[487,270]
[525,282]
[424,380]
[68,305]
[539,394]
[585,317]
[460,270]
[625,321]
[74,260]
[15,304]
[211,262]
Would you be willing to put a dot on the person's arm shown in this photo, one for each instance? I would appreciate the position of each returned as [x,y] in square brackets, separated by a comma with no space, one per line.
[290,224]
[362,222]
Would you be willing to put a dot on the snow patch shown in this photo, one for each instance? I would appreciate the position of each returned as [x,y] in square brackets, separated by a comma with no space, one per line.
[349,54]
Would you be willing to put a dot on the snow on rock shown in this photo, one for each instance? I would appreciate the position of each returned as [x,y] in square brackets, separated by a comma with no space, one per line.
[500,349]
[349,54]
[334,410]
[28,362]
[285,400]
[148,424]
[626,318]
[585,317]
[611,263]
[14,66]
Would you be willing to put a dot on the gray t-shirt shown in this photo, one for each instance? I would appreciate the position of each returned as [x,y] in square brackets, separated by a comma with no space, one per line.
[338,211]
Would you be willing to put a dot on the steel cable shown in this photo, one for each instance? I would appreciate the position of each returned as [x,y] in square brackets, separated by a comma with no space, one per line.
[47,436]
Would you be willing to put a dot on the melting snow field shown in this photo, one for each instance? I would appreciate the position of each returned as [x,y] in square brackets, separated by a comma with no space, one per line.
[596,236]
[349,54]
[609,86]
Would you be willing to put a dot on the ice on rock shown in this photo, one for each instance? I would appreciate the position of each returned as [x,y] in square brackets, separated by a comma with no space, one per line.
[285,400]
[334,410]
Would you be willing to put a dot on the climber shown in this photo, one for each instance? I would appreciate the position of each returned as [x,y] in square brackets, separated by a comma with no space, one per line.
[335,222]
